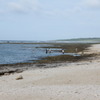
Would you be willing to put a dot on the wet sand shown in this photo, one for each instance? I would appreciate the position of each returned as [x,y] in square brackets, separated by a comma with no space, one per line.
[75,81]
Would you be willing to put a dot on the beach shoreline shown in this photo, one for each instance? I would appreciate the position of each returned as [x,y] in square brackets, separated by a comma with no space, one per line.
[74,81]
[50,61]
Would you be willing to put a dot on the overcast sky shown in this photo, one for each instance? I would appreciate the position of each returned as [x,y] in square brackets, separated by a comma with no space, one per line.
[49,19]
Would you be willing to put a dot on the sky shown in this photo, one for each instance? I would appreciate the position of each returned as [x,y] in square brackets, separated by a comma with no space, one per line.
[49,19]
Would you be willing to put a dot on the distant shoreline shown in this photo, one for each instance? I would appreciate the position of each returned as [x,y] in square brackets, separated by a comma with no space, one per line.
[72,40]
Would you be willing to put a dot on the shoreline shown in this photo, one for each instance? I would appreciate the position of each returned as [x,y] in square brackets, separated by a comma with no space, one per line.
[20,67]
[67,46]
[52,61]
[74,81]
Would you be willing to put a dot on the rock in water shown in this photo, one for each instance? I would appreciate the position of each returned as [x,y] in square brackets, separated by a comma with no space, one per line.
[19,77]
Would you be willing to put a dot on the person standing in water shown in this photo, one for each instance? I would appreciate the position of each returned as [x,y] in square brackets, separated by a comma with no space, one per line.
[63,51]
[46,51]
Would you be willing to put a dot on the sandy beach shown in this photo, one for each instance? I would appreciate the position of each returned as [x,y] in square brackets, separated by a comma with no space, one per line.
[75,81]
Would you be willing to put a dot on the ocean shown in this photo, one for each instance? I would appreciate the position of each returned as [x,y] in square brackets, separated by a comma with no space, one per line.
[23,53]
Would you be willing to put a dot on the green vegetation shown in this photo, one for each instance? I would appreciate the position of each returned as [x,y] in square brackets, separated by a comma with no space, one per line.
[82,39]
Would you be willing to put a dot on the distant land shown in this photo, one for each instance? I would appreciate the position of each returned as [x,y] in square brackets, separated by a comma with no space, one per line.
[73,40]
[82,40]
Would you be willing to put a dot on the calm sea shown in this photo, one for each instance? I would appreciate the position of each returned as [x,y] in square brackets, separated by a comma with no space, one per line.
[17,53]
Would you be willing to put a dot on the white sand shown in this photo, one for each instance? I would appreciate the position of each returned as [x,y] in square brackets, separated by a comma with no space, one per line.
[76,81]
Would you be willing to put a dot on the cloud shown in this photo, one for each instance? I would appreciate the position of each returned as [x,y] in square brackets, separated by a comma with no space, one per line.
[40,7]
[43,8]
[62,12]
[31,4]
[63,9]
[92,3]
[24,6]
[16,7]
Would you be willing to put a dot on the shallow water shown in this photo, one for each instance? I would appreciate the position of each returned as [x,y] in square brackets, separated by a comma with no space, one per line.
[17,53]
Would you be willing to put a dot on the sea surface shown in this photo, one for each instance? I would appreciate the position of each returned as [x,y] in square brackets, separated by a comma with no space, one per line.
[20,53]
